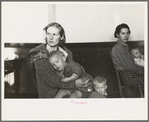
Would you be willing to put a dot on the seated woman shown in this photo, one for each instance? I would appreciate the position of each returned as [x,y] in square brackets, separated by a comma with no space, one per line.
[130,73]
[48,81]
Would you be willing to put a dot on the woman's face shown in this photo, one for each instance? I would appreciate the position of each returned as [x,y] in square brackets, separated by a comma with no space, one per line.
[124,35]
[53,36]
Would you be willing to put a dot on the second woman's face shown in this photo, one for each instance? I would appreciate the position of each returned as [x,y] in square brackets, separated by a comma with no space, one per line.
[53,36]
[124,35]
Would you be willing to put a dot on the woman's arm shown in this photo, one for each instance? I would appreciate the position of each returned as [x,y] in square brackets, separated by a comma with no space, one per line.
[123,60]
[45,73]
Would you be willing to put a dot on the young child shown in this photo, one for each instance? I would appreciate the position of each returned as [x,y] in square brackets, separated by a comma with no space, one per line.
[100,85]
[70,71]
[138,57]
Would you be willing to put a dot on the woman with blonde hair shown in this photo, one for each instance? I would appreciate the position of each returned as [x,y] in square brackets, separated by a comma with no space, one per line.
[48,82]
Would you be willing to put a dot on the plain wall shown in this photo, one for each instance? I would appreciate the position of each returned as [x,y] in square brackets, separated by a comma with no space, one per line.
[96,22]
[23,22]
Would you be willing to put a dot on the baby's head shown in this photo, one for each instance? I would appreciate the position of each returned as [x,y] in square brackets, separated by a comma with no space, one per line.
[100,85]
[57,59]
[135,52]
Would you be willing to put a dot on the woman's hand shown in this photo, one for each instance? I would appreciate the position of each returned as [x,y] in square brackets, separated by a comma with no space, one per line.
[81,83]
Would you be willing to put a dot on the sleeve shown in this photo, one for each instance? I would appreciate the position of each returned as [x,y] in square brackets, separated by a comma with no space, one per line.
[76,68]
[37,53]
[46,74]
[33,56]
[125,61]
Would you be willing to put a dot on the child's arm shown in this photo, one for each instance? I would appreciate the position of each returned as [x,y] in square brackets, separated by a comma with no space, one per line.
[71,78]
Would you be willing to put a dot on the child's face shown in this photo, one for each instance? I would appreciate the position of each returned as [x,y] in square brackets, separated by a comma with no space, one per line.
[57,62]
[100,87]
[136,53]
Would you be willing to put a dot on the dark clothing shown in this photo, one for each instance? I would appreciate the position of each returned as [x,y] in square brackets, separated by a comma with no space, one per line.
[48,82]
[73,67]
[130,78]
[123,60]
[86,94]
[130,73]
[96,95]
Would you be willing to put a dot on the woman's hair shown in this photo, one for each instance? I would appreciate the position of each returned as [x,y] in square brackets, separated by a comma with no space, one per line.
[61,31]
[119,27]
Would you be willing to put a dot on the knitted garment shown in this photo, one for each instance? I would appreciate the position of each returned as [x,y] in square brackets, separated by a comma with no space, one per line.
[48,82]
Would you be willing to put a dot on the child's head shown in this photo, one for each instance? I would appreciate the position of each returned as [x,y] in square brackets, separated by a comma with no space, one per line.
[57,59]
[135,52]
[100,85]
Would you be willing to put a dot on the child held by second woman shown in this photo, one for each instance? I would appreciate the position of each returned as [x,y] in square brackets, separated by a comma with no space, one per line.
[70,71]
[138,57]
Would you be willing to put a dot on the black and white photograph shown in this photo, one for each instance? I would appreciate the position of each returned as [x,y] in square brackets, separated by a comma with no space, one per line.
[74,60]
